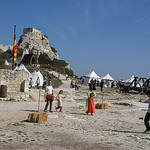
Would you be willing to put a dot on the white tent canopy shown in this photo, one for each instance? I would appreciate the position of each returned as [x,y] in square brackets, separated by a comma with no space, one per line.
[22,67]
[35,75]
[107,77]
[90,76]
[130,79]
[6,63]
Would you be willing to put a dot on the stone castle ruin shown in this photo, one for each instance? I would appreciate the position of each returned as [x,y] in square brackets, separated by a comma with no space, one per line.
[33,41]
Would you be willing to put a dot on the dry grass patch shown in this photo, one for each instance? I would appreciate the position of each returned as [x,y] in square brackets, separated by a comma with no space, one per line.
[101,106]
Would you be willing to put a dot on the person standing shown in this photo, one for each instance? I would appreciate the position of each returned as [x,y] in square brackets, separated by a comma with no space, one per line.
[49,96]
[91,85]
[59,99]
[72,84]
[82,81]
[147,116]
[58,75]
[102,85]
[66,76]
[38,82]
[90,104]
[44,83]
[76,85]
[31,82]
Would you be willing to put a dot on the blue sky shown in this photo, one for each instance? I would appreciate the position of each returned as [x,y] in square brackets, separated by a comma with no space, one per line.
[108,36]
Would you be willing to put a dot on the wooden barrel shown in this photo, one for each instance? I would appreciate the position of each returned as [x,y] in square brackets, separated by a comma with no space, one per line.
[3,91]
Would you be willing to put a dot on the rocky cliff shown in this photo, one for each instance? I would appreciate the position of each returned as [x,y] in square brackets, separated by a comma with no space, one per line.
[33,41]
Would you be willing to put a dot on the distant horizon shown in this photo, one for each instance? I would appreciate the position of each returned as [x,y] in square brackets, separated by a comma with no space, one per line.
[107,36]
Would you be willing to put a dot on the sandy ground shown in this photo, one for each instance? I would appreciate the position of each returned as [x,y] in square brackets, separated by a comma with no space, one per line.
[117,128]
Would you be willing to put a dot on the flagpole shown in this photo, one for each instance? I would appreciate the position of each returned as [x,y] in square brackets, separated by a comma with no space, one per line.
[13,66]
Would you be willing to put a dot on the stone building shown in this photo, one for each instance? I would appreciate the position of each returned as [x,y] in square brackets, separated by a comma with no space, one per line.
[31,30]
[33,42]
[17,84]
[6,47]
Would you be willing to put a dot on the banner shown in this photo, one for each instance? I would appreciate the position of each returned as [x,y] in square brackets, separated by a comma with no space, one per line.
[15,46]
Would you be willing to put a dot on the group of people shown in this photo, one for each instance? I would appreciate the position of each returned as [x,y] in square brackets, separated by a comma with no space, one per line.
[49,98]
[37,82]
[94,83]
[74,84]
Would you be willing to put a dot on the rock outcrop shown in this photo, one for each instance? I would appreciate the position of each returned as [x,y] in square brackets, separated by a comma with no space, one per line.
[33,41]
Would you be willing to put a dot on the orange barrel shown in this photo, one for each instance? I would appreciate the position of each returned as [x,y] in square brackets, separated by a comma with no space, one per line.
[3,91]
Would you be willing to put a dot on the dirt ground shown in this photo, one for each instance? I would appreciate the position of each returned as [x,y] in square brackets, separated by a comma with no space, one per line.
[116,128]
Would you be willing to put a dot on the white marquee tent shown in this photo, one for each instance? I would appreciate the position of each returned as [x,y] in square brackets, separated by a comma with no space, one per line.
[108,80]
[108,77]
[90,76]
[130,79]
[35,75]
[22,67]
[6,63]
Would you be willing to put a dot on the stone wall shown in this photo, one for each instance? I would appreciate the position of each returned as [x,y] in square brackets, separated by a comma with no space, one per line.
[6,47]
[33,30]
[17,84]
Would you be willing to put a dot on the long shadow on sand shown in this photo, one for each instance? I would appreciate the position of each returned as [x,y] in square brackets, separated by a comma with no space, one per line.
[79,114]
[123,131]
[30,110]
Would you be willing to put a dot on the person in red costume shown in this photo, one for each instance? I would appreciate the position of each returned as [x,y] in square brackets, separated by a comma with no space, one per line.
[91,107]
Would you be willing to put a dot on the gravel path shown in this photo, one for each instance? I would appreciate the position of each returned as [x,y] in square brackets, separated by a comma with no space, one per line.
[117,128]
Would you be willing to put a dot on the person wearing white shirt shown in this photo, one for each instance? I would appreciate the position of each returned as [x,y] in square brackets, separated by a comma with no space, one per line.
[38,82]
[48,96]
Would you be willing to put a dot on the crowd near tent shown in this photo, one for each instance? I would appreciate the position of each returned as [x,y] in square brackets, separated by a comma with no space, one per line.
[108,77]
[108,80]
[35,75]
[90,76]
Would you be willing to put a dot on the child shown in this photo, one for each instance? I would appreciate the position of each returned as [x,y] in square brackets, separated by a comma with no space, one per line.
[147,116]
[90,104]
[59,99]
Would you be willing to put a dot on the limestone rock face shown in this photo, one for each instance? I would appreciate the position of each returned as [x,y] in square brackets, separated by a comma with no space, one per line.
[33,41]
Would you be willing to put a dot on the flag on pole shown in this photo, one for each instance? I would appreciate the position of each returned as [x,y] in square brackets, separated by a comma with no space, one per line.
[15,45]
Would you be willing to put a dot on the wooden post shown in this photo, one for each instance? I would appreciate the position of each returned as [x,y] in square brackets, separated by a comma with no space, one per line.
[39,100]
